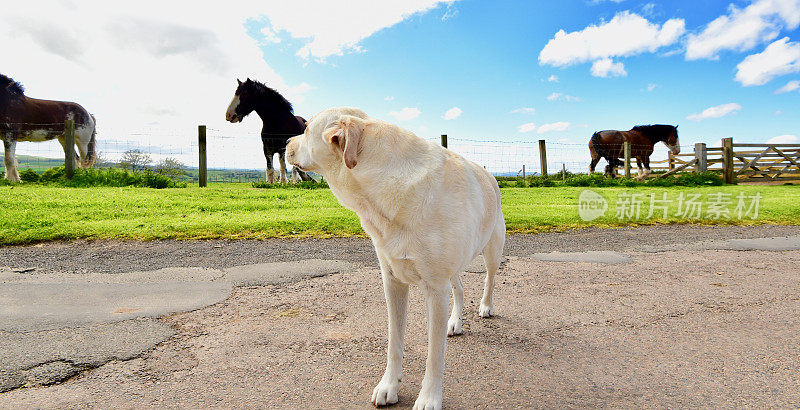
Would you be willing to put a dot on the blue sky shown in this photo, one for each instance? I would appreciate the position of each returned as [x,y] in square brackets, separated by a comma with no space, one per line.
[504,70]
[484,59]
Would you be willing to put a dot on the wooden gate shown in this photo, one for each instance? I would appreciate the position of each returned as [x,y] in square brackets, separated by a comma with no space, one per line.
[766,162]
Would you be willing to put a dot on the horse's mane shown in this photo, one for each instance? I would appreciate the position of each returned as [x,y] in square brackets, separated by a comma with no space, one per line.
[9,90]
[10,87]
[657,132]
[275,97]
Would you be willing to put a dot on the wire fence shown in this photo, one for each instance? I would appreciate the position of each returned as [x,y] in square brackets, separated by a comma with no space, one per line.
[239,156]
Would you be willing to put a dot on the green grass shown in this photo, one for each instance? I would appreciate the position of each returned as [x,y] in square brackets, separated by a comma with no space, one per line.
[32,213]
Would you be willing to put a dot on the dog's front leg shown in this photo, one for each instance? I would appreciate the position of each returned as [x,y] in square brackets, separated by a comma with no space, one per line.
[396,294]
[436,298]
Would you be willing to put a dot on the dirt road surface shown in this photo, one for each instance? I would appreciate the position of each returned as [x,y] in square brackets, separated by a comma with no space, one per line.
[691,319]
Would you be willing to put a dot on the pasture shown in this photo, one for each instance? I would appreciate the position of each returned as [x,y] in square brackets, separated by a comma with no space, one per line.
[35,213]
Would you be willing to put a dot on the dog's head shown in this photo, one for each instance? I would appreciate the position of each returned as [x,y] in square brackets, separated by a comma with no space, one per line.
[332,140]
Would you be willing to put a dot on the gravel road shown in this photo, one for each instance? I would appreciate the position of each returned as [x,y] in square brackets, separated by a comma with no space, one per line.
[689,321]
[125,256]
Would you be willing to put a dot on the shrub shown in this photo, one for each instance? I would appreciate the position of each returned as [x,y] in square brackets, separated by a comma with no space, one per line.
[596,180]
[301,185]
[29,175]
[89,177]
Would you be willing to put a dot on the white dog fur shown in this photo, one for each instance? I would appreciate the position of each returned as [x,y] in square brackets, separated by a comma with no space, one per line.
[429,213]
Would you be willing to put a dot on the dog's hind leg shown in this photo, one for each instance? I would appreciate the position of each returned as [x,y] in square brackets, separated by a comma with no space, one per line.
[396,294]
[454,323]
[492,256]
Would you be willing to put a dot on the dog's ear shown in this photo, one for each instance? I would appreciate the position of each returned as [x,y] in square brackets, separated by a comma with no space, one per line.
[346,134]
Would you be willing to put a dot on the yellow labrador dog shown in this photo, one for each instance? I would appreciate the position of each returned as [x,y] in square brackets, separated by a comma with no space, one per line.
[429,213]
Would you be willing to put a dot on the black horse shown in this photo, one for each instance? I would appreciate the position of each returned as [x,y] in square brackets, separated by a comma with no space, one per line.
[278,117]
[609,145]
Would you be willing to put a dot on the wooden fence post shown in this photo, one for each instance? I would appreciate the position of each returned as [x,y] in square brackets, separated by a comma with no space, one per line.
[627,147]
[201,143]
[543,157]
[727,160]
[671,161]
[523,172]
[444,140]
[69,148]
[701,156]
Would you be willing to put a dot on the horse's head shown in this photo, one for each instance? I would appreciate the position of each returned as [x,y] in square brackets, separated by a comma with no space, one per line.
[672,141]
[242,103]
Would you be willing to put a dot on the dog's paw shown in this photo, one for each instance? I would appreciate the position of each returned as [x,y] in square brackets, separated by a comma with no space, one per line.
[385,393]
[485,311]
[454,326]
[428,402]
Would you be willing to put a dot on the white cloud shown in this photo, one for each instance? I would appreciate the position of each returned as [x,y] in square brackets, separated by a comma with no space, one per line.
[553,78]
[556,126]
[743,29]
[270,36]
[129,66]
[406,113]
[329,28]
[452,113]
[528,127]
[649,9]
[388,98]
[450,12]
[626,34]
[651,87]
[158,69]
[784,139]
[789,87]
[524,110]
[605,68]
[779,58]
[715,112]
[562,97]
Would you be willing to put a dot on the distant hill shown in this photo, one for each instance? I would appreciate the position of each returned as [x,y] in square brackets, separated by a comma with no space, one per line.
[41,164]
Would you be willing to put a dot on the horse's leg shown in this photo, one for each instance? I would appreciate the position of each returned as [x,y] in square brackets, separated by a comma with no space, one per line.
[282,164]
[268,154]
[83,137]
[82,143]
[303,175]
[10,159]
[639,165]
[63,143]
[646,162]
[595,157]
[593,164]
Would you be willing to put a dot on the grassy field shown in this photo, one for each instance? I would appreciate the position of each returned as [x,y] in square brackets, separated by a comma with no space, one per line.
[33,213]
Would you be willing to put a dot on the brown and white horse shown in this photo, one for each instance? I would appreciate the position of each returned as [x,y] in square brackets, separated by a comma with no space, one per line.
[609,145]
[29,119]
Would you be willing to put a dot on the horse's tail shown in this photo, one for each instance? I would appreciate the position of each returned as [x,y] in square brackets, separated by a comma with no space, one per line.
[598,146]
[91,153]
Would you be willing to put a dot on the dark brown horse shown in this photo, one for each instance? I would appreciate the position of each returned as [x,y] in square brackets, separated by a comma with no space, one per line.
[29,119]
[279,121]
[609,145]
